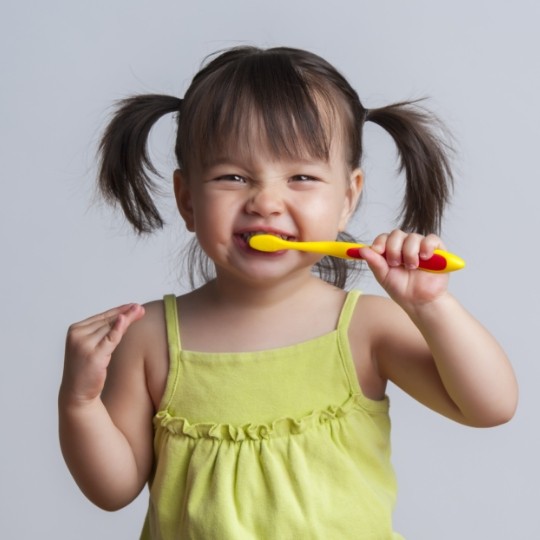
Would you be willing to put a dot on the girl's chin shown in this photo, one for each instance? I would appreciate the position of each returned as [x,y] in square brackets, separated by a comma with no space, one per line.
[263,268]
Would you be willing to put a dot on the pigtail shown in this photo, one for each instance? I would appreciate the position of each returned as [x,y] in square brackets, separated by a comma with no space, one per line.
[125,166]
[423,156]
[336,271]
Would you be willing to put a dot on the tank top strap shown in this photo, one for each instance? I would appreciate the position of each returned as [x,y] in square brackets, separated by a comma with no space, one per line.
[348,309]
[343,340]
[173,341]
[171,321]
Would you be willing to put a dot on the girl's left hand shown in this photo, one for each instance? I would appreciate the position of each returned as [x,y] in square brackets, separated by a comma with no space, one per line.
[393,258]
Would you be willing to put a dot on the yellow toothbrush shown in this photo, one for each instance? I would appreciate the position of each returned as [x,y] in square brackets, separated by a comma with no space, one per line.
[441,261]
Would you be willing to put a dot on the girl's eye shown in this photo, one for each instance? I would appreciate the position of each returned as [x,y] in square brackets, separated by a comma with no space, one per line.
[231,178]
[303,178]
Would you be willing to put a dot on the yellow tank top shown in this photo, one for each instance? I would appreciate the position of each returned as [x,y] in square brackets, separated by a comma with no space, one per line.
[276,444]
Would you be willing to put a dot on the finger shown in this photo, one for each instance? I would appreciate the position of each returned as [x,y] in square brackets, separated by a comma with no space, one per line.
[92,336]
[97,320]
[111,334]
[95,328]
[411,250]
[394,248]
[376,262]
[429,244]
[103,329]
[379,244]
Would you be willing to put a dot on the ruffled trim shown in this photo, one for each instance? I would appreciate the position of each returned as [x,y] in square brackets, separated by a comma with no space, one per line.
[255,432]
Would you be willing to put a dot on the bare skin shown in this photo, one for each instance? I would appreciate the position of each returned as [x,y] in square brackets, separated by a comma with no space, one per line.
[421,338]
[107,440]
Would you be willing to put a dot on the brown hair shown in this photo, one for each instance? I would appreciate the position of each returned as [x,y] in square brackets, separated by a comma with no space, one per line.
[297,98]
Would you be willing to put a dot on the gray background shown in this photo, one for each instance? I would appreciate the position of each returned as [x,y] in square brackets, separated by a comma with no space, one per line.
[65,257]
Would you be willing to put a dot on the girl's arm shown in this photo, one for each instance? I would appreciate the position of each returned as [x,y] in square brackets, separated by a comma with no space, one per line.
[107,449]
[429,345]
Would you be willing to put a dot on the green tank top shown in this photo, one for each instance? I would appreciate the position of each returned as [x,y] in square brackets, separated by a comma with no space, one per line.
[275,444]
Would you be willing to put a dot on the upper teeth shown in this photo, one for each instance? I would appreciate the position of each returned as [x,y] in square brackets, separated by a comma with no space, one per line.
[249,235]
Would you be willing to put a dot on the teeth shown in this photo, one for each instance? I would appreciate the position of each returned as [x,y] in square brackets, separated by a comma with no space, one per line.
[247,236]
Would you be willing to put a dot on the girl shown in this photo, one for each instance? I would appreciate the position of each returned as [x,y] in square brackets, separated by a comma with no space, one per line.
[255,406]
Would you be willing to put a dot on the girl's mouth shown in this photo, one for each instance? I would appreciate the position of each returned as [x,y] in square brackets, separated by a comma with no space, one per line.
[244,237]
[248,235]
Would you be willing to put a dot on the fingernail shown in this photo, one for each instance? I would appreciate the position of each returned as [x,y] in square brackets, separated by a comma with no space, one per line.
[355,253]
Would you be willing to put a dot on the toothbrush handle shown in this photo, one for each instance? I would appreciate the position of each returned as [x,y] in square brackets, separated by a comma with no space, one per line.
[440,262]
[436,263]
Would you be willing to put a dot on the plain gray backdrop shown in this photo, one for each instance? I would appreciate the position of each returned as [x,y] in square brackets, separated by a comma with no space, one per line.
[64,257]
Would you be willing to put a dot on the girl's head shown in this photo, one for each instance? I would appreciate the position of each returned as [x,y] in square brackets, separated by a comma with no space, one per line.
[290,102]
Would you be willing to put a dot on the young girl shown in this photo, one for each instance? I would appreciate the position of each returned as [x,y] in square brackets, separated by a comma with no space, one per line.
[254,406]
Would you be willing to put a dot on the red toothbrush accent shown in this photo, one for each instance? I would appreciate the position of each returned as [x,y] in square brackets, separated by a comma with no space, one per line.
[436,263]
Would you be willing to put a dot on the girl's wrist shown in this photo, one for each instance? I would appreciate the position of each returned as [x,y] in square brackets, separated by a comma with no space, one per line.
[432,310]
[68,401]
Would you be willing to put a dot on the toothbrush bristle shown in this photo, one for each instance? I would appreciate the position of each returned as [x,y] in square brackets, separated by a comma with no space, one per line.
[264,242]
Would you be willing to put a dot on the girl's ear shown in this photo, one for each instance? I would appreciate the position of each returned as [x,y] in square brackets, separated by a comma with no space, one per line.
[182,194]
[356,183]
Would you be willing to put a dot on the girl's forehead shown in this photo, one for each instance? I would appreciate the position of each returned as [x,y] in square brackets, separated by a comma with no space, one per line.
[255,141]
[253,151]
[262,160]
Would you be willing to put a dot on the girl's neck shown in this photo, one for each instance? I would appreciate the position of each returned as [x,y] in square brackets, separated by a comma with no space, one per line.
[224,316]
[227,291]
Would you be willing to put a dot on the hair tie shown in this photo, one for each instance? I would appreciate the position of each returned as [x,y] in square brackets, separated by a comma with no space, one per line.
[366,114]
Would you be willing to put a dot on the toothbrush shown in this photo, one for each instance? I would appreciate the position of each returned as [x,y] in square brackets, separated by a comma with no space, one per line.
[441,261]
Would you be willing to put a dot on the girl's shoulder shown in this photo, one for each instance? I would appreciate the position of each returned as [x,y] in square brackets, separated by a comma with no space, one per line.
[381,324]
[366,330]
[150,330]
[380,331]
[377,314]
[148,338]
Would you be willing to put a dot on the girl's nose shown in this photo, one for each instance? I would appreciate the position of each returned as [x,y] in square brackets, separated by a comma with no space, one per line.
[265,201]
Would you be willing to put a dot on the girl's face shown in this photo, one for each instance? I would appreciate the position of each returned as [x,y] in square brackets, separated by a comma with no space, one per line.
[245,193]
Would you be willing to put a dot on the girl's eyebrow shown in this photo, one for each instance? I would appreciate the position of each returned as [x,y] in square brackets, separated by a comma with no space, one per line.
[231,160]
[219,161]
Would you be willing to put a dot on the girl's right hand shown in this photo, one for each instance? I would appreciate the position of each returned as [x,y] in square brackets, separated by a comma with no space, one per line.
[89,347]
